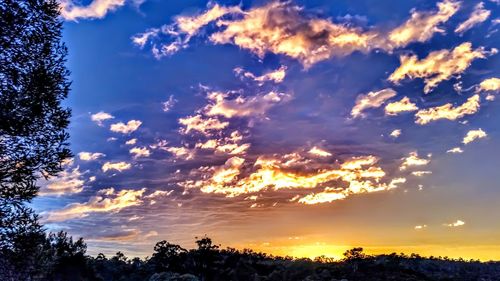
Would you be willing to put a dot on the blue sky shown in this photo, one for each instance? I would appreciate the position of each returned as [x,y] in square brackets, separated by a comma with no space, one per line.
[299,128]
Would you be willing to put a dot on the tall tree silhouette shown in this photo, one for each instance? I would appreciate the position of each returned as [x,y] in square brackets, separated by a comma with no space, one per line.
[33,136]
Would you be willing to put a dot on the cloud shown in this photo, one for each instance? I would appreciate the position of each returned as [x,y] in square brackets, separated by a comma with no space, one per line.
[479,15]
[319,152]
[420,227]
[169,104]
[421,173]
[101,116]
[139,152]
[179,152]
[287,29]
[422,25]
[490,84]
[128,128]
[330,194]
[229,106]
[131,141]
[455,224]
[473,135]
[230,145]
[438,66]
[182,30]
[414,160]
[403,105]
[455,150]
[447,111]
[395,133]
[106,200]
[371,100]
[97,9]
[118,166]
[276,76]
[142,38]
[68,181]
[89,156]
[240,176]
[201,124]
[281,28]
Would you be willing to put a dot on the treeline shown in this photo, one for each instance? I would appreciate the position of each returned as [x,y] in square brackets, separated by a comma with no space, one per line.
[59,258]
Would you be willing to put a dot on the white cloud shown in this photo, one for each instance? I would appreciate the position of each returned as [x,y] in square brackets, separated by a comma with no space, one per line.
[101,116]
[371,100]
[455,224]
[276,76]
[169,104]
[455,150]
[221,104]
[319,152]
[89,156]
[131,141]
[421,173]
[118,166]
[395,133]
[97,9]
[479,15]
[473,135]
[420,227]
[439,65]
[128,128]
[201,124]
[447,111]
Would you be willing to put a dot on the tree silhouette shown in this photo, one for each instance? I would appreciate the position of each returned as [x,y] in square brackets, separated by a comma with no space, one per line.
[33,136]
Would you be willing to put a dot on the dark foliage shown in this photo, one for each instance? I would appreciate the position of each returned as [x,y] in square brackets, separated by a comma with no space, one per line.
[33,137]
[66,260]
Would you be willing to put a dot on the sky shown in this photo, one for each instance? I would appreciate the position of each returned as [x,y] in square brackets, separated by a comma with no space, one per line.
[299,128]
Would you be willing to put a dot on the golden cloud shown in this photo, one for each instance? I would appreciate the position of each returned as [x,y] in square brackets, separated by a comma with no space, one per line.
[447,111]
[473,135]
[438,66]
[106,200]
[276,76]
[422,25]
[140,152]
[403,105]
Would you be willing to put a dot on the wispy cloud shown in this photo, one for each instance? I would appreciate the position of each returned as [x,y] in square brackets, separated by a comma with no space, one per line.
[371,100]
[90,156]
[479,15]
[105,201]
